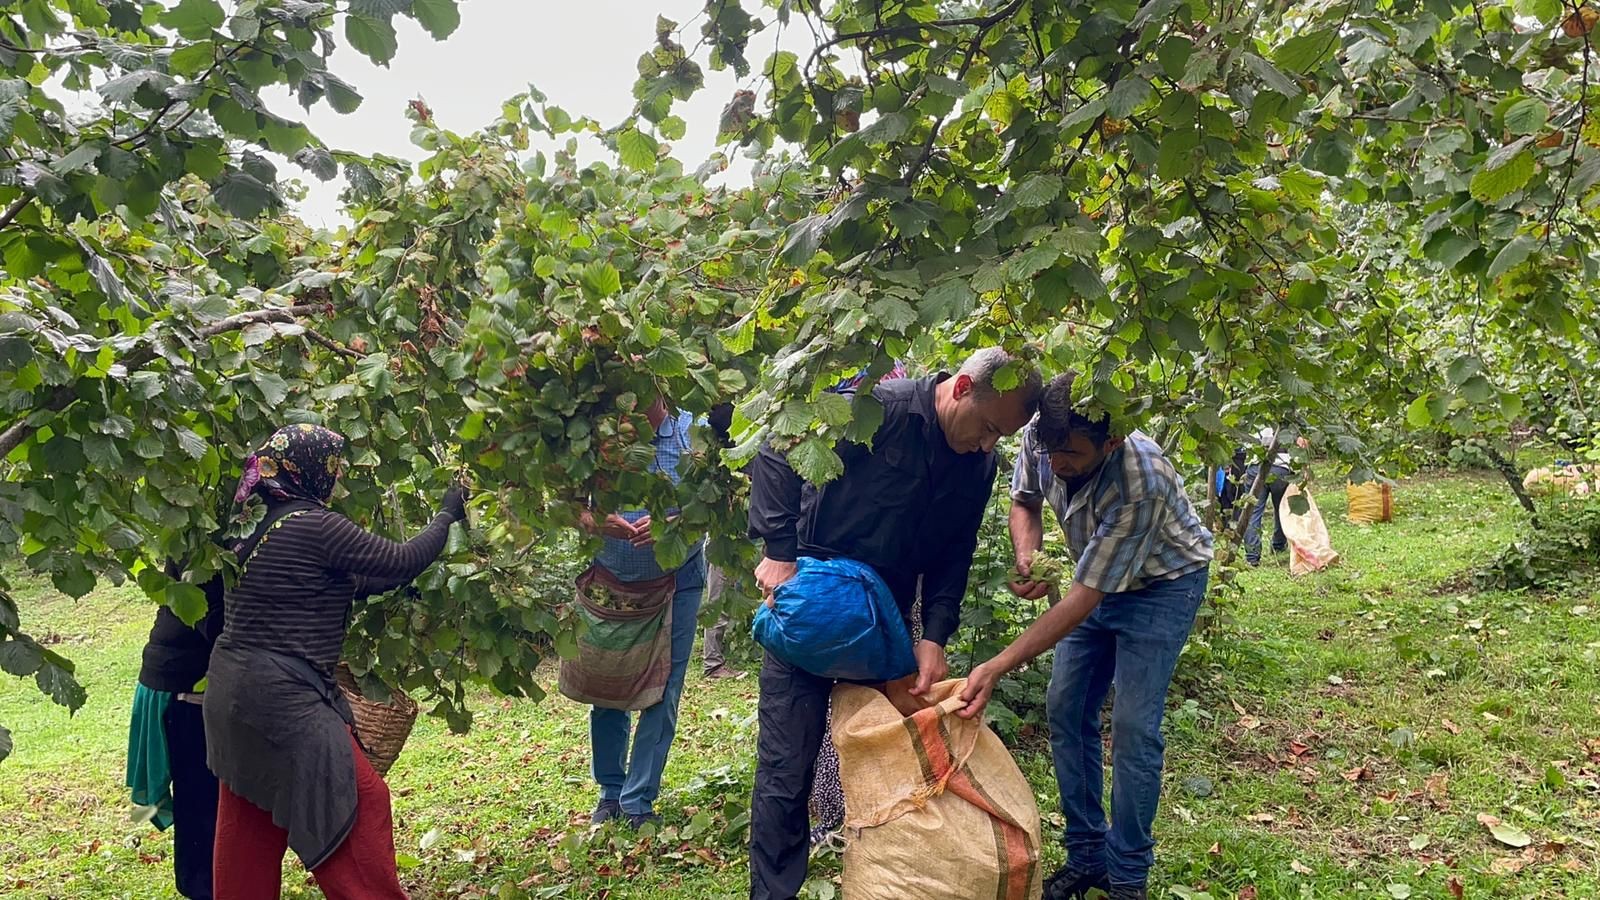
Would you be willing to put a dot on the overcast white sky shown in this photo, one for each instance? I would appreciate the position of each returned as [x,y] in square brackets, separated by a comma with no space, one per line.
[582,54]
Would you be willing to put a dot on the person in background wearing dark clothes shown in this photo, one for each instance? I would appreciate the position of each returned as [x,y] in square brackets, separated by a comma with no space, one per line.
[909,506]
[278,729]
[167,770]
[713,656]
[1279,474]
[1230,481]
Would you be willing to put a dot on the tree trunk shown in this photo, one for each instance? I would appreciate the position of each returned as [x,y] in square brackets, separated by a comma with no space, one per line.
[1514,480]
[1213,502]
[1258,491]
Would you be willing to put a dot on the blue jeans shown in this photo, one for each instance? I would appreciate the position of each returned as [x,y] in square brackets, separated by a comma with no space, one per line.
[636,781]
[1278,479]
[1135,637]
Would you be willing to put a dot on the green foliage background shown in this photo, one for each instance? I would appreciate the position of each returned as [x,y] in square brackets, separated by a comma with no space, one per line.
[1366,220]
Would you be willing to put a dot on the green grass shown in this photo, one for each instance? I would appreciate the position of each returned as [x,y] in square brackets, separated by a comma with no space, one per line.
[1338,737]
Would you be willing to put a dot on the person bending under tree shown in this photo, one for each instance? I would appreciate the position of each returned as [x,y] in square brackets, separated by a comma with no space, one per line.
[908,506]
[629,771]
[1142,563]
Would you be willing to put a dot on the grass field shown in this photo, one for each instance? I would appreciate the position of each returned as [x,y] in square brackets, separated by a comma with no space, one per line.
[1376,730]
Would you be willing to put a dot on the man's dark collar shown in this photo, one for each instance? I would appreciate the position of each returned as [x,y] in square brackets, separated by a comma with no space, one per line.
[925,395]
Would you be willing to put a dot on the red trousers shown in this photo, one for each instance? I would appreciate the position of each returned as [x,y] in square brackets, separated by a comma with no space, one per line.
[248,862]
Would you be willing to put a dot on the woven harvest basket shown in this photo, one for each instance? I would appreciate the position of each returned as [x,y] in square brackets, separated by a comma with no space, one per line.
[382,727]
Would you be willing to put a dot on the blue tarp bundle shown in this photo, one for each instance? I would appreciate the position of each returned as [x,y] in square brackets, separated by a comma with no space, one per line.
[837,619]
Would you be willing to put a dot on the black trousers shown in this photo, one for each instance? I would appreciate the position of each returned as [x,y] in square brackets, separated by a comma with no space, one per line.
[194,799]
[792,715]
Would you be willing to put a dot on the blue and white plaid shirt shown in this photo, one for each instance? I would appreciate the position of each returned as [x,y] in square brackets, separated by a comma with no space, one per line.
[1130,525]
[621,558]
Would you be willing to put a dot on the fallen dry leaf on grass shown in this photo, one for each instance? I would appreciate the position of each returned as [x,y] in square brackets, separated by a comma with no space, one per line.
[1506,865]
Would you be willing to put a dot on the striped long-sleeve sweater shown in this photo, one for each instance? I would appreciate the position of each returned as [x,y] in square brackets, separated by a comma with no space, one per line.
[295,592]
[277,727]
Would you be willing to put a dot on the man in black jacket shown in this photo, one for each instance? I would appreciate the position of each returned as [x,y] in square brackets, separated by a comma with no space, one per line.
[910,507]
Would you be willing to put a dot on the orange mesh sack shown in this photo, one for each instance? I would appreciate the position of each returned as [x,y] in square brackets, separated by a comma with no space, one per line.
[935,807]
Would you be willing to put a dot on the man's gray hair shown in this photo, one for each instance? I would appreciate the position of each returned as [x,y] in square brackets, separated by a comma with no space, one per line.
[982,365]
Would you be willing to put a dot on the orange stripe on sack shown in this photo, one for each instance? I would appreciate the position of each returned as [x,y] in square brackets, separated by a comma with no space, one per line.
[933,741]
[1019,858]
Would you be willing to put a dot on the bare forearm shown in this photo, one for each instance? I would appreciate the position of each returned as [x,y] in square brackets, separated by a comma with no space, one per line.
[1027,530]
[1050,628]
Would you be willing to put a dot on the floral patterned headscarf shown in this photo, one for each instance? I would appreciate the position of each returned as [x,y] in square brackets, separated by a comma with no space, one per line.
[299,462]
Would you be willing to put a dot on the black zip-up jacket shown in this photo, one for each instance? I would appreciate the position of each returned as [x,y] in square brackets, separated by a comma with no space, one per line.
[909,507]
[176,655]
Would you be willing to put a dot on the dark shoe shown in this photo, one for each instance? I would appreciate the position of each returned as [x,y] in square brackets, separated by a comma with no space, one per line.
[605,812]
[1072,883]
[722,672]
[637,821]
[1129,892]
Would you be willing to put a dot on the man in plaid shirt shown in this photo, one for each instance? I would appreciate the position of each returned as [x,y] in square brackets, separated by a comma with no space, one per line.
[1142,558]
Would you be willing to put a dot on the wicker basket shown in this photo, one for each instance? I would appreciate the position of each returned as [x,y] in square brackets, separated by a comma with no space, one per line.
[382,727]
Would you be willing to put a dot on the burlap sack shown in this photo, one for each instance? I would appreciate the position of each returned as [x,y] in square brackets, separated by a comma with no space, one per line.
[1370,502]
[1577,479]
[935,807]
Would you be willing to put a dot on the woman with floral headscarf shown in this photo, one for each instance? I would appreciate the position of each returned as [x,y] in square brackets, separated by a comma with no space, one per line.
[278,729]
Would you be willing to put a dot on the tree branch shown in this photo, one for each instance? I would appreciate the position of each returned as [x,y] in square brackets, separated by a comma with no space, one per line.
[64,395]
[1577,135]
[270,314]
[15,209]
[983,22]
[155,120]
[334,345]
[45,51]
